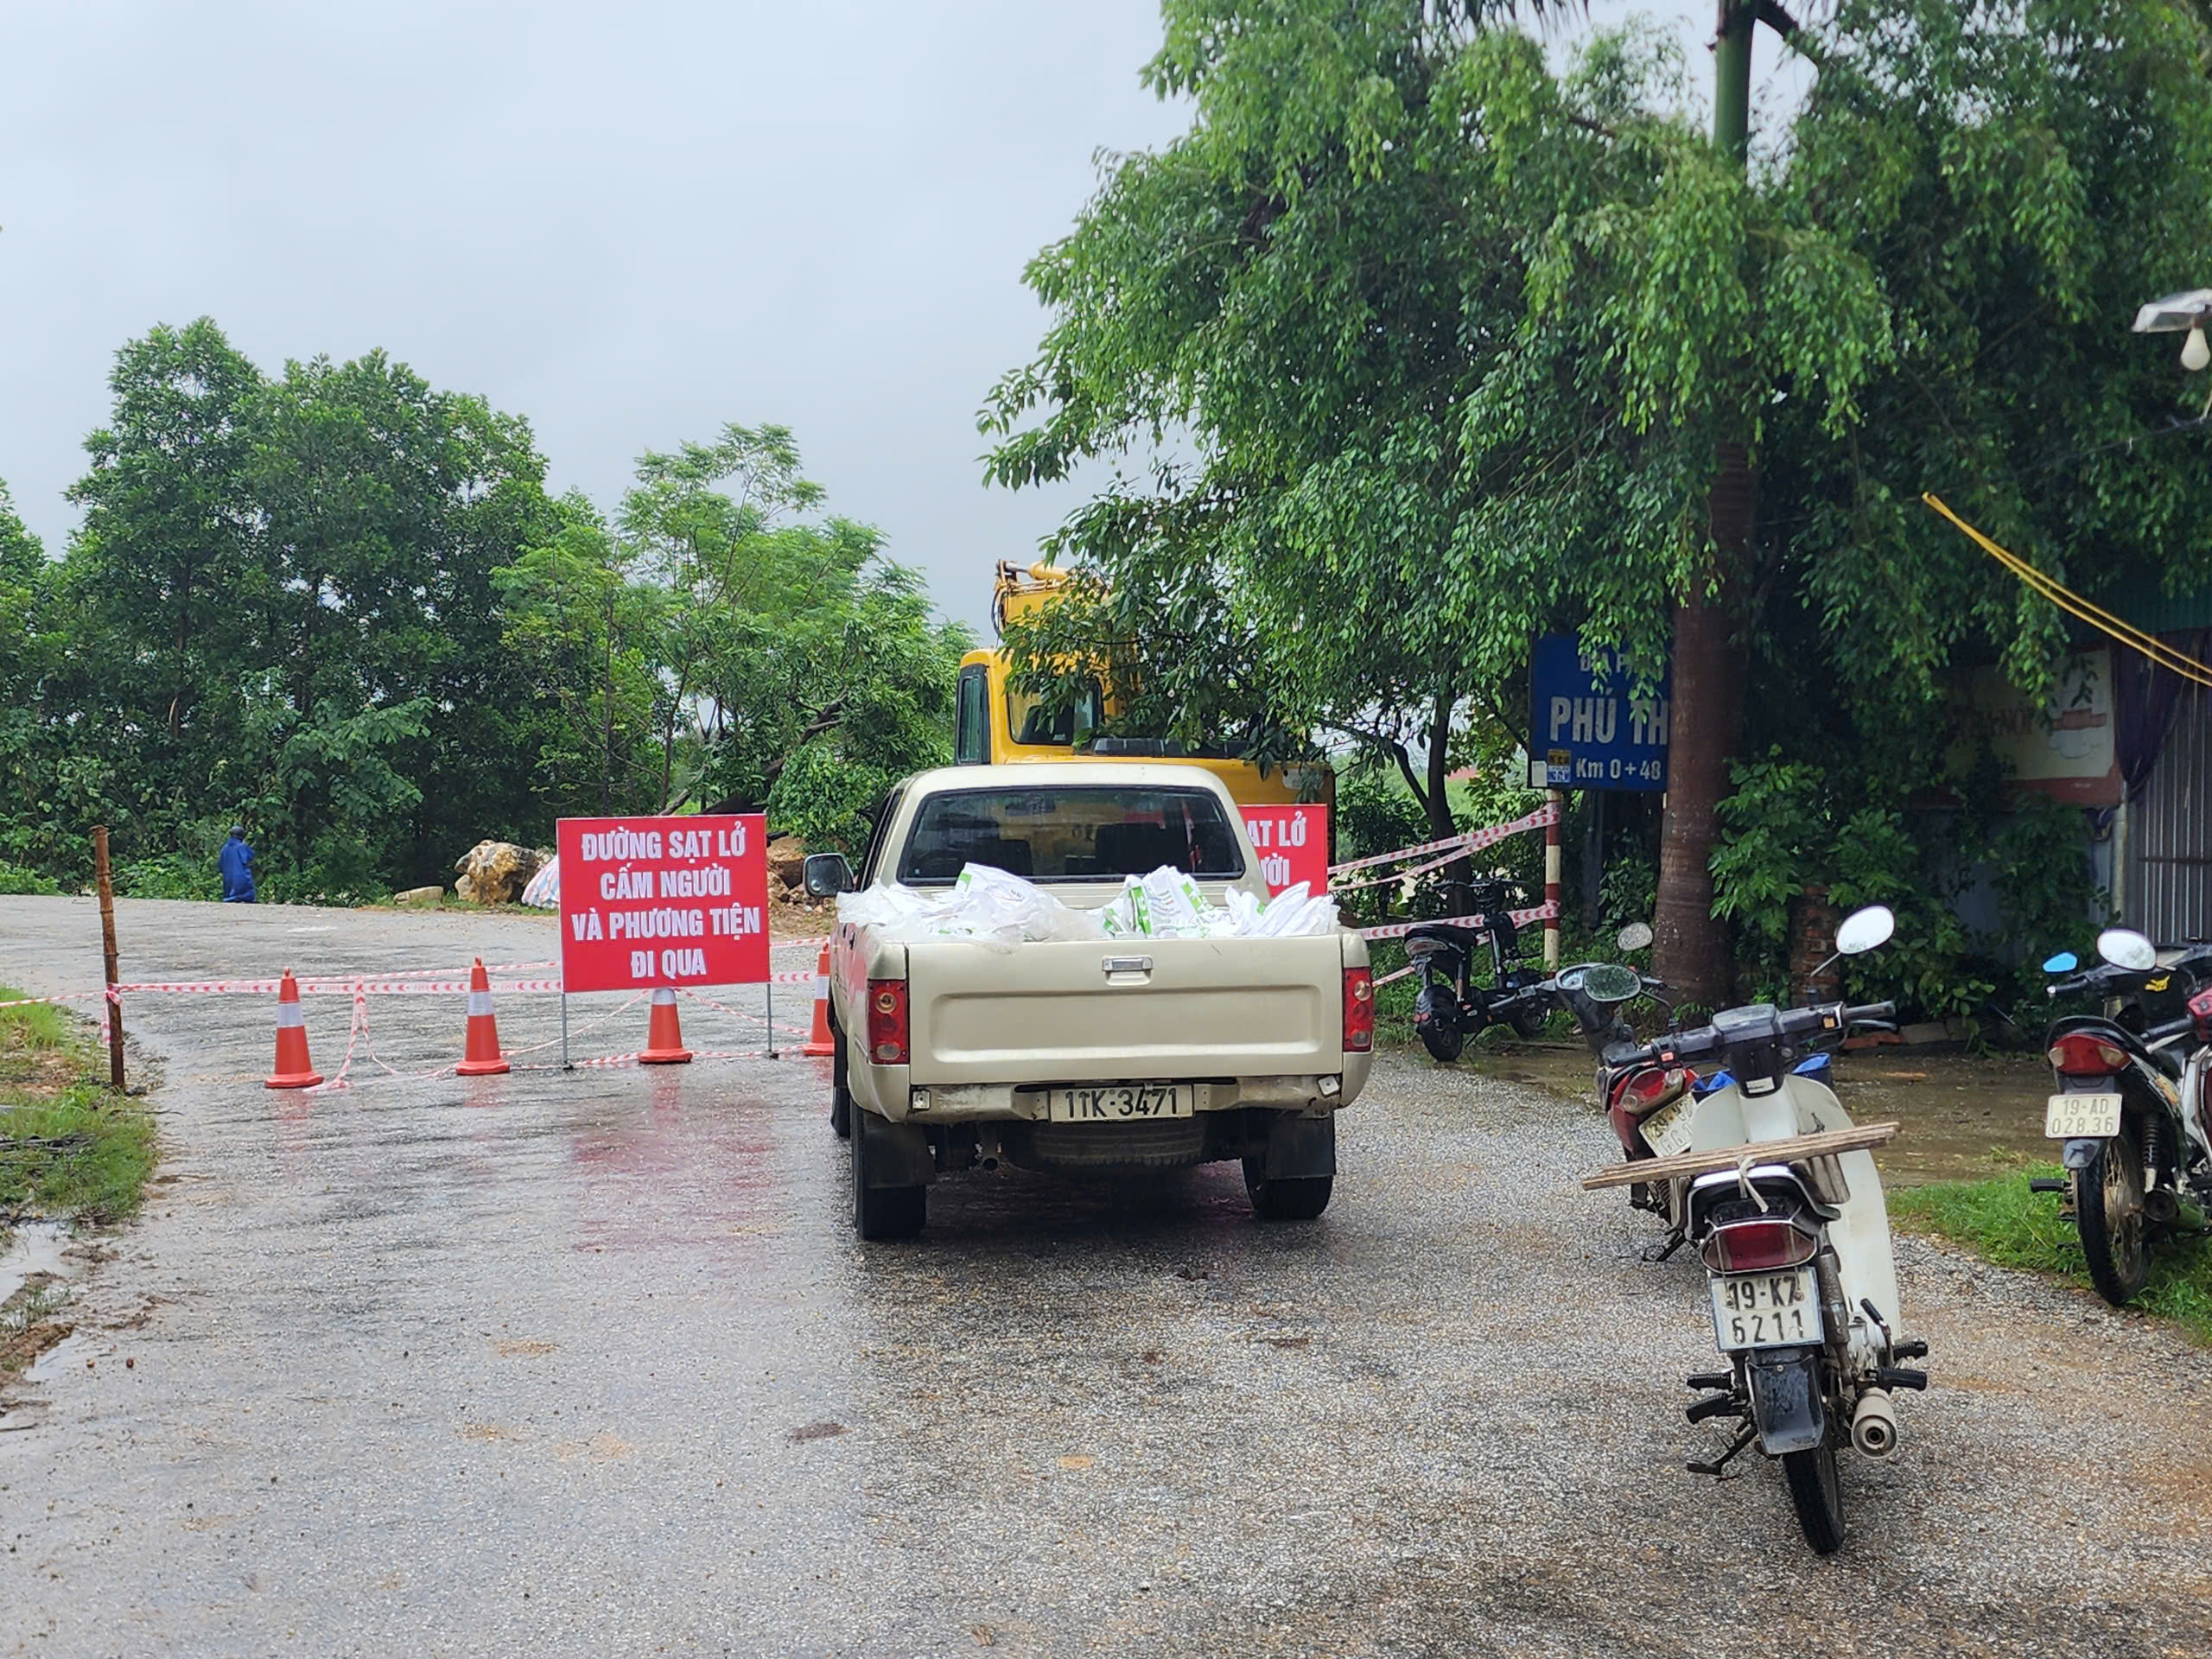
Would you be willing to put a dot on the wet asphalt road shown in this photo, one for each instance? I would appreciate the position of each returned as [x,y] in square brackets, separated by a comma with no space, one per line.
[592,1363]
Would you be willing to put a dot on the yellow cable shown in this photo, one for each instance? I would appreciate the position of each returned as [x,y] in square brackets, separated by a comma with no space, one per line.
[2129,635]
[2073,604]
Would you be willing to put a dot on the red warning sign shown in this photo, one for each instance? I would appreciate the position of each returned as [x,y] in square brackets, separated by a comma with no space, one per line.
[664,901]
[1293,842]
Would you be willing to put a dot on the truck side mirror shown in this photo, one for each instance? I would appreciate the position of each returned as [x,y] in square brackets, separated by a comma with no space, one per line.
[827,875]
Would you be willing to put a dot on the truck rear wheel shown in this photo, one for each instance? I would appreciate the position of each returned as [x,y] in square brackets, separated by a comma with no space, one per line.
[1300,1199]
[882,1212]
[841,1096]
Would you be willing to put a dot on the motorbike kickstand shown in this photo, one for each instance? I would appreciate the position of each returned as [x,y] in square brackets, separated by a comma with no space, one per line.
[1675,1241]
[1722,1461]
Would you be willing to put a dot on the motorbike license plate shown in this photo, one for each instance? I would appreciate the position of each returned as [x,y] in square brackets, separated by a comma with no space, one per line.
[1766,1310]
[1120,1102]
[1667,1131]
[2079,1117]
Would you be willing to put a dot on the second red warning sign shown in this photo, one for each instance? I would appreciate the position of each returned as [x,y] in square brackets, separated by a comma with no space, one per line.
[664,901]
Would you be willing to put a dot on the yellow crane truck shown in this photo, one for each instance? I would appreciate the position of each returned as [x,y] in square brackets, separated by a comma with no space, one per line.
[994,724]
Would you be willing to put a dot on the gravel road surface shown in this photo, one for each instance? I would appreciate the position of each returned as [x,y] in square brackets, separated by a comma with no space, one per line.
[591,1362]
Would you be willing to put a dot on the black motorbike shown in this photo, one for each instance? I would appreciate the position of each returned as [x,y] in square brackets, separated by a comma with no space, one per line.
[2129,1104]
[1451,1006]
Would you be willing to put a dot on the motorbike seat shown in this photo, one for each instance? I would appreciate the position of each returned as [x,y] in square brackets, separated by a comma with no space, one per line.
[1446,930]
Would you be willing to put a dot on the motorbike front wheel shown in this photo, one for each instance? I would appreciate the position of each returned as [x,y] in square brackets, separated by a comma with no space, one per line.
[1815,1494]
[1436,1017]
[2108,1209]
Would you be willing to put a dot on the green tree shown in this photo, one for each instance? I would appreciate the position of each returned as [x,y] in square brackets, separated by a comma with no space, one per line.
[280,605]
[718,648]
[1454,343]
[30,739]
[590,634]
[385,508]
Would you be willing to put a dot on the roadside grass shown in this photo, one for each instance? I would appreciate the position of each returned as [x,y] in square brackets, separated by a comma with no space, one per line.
[69,1150]
[2002,1221]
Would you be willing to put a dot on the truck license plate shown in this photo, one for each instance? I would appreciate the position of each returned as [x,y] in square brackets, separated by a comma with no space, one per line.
[1667,1131]
[2078,1117]
[1119,1102]
[1766,1310]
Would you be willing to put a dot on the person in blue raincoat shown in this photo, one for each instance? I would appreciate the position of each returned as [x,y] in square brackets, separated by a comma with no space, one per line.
[236,862]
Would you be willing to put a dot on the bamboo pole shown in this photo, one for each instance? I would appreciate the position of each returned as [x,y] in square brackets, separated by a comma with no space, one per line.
[108,958]
[1795,1150]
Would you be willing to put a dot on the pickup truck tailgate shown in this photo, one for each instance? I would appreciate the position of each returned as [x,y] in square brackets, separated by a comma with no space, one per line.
[1087,1012]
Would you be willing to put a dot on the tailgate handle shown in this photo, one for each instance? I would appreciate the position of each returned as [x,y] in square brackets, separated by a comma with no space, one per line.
[1114,965]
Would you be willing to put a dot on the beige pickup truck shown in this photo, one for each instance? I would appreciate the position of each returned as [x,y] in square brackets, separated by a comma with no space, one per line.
[1143,1053]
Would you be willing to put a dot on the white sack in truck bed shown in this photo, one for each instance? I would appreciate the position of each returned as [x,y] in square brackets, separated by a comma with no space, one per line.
[991,907]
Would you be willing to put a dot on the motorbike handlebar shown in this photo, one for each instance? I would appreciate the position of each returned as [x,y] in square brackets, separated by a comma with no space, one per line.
[2168,1031]
[2105,976]
[1792,1025]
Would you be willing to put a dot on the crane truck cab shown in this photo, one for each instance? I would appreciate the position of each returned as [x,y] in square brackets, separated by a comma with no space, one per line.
[994,724]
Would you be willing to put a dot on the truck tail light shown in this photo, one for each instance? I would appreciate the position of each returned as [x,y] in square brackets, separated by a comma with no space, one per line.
[2081,1054]
[1359,1010]
[887,1021]
[1759,1245]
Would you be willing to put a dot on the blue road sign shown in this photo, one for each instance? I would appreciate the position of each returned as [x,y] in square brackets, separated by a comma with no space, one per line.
[1587,729]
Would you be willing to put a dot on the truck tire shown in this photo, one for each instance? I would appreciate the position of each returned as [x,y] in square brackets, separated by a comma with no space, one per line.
[841,1096]
[1299,1199]
[882,1212]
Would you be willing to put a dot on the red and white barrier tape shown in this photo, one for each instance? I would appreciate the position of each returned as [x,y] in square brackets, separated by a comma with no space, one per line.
[355,1030]
[334,985]
[743,1013]
[35,1002]
[590,1025]
[1399,929]
[1455,855]
[1543,816]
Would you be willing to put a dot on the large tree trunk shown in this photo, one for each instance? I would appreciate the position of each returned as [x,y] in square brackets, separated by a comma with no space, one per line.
[1691,951]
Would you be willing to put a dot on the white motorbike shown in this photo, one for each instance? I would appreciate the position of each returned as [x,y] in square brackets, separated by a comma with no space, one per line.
[1785,1207]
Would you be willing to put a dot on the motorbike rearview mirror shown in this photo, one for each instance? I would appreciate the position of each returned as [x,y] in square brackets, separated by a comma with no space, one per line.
[1634,936]
[2065,962]
[2124,947]
[1863,929]
[1606,983]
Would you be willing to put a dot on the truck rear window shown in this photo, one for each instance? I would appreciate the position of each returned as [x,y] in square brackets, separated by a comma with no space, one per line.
[1085,834]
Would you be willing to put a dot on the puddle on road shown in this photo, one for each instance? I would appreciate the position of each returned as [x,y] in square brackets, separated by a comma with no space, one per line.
[1964,1116]
[68,1355]
[37,1249]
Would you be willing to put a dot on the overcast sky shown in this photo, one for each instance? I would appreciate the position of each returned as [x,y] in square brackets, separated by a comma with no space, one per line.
[629,224]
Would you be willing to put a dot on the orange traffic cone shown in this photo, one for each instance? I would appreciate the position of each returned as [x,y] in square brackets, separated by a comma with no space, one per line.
[483,1058]
[665,1036]
[293,1069]
[820,1042]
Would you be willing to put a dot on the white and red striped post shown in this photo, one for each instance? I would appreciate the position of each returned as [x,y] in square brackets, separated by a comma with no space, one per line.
[1558,799]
